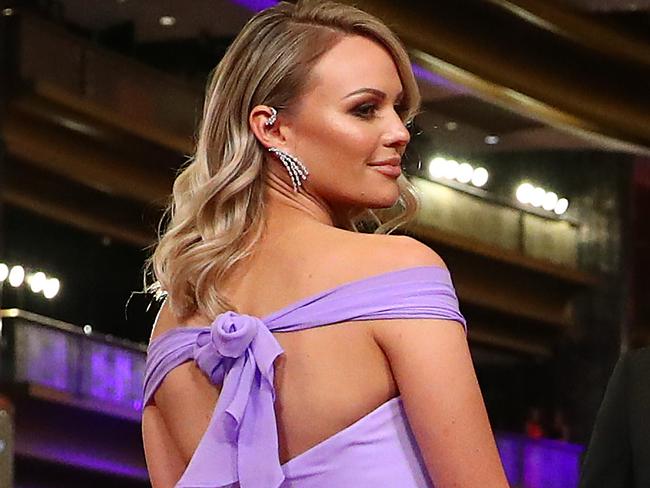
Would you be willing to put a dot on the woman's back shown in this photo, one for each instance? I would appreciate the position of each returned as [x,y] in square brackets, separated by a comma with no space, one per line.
[329,377]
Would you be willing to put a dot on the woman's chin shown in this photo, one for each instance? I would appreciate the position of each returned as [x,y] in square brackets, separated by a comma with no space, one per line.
[386,200]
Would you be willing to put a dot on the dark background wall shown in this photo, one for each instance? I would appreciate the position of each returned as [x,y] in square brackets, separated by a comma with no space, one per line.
[97,274]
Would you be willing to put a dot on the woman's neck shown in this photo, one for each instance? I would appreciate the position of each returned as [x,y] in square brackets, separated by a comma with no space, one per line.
[286,209]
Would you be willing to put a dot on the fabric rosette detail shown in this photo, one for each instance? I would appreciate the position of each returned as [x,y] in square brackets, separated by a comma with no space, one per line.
[227,339]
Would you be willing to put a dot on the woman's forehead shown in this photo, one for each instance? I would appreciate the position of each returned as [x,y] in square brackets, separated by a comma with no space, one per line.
[355,63]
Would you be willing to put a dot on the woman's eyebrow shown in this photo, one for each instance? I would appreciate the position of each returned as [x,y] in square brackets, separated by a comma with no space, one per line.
[374,91]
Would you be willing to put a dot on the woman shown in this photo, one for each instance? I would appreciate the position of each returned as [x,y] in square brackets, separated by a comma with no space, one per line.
[291,350]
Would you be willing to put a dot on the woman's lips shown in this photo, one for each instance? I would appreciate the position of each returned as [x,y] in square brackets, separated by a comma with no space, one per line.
[388,169]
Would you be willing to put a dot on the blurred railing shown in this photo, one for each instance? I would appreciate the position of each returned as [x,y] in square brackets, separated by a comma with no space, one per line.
[93,371]
[485,219]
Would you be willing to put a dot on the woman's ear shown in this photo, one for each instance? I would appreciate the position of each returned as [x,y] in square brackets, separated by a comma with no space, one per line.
[268,134]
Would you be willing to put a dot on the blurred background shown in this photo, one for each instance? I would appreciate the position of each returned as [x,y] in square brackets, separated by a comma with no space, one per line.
[532,154]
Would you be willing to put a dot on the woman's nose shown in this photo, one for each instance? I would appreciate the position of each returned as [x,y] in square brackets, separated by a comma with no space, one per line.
[397,134]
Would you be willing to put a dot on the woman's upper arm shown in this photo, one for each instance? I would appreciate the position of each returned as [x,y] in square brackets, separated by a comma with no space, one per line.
[174,422]
[433,369]
[431,363]
[165,463]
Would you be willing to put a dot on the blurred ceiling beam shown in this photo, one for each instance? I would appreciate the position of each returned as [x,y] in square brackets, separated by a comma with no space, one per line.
[82,160]
[576,27]
[60,199]
[177,142]
[505,55]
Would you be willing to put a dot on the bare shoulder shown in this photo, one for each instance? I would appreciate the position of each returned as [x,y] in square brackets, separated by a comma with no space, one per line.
[393,252]
[401,252]
[167,320]
[407,251]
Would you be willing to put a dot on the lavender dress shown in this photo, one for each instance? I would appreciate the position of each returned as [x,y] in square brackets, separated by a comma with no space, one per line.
[240,445]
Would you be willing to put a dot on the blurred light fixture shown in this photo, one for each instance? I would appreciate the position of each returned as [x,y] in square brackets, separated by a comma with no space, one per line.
[167,20]
[37,281]
[16,276]
[451,125]
[88,329]
[561,206]
[449,169]
[537,198]
[7,12]
[51,288]
[437,167]
[480,177]
[465,173]
[525,192]
[550,201]
[540,198]
[491,140]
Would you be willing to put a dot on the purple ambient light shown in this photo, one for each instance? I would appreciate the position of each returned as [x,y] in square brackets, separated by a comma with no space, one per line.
[37,351]
[75,456]
[539,463]
[435,79]
[255,5]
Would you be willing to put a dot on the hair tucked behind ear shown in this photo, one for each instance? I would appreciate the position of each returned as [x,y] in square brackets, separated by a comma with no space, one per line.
[216,213]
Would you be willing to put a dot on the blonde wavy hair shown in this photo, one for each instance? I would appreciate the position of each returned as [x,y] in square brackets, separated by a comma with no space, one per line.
[216,213]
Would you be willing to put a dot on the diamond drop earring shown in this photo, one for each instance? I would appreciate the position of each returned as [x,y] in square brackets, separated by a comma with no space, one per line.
[296,169]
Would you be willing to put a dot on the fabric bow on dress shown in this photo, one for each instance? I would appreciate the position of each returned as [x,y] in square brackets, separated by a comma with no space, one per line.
[241,442]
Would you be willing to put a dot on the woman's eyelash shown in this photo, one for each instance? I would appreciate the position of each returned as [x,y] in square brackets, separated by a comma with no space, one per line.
[368,110]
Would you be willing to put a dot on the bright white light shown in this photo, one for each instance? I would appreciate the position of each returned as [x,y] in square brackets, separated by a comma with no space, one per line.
[437,167]
[465,172]
[16,276]
[561,206]
[537,198]
[51,288]
[480,177]
[491,140]
[167,20]
[7,12]
[525,192]
[37,281]
[88,329]
[451,169]
[4,272]
[550,200]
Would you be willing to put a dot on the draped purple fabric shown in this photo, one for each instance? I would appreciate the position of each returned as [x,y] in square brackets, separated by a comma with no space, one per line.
[240,445]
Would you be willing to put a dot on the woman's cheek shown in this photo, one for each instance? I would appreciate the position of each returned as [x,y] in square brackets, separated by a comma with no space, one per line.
[358,142]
